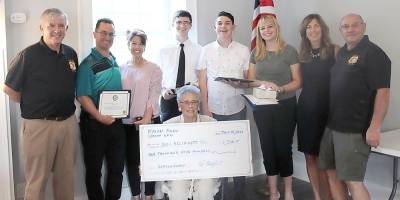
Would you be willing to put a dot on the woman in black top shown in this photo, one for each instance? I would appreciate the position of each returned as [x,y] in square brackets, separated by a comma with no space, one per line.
[317,56]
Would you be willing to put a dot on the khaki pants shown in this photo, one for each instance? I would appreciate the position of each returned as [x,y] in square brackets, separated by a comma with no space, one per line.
[346,152]
[49,146]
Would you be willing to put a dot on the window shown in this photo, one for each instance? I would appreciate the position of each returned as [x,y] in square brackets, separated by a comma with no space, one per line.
[153,17]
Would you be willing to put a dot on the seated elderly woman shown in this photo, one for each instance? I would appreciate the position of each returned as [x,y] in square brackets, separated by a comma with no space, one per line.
[188,98]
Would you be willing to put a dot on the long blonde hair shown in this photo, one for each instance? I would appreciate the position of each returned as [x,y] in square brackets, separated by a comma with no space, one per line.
[261,46]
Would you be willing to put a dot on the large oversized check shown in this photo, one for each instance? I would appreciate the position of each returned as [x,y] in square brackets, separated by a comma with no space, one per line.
[195,150]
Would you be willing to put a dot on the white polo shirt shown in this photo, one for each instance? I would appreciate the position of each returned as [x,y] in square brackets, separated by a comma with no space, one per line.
[169,58]
[233,61]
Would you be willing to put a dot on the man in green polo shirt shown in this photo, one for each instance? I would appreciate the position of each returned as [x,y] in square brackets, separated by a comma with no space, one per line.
[102,136]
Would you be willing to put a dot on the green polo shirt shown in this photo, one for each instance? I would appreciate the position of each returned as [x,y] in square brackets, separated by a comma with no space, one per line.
[97,73]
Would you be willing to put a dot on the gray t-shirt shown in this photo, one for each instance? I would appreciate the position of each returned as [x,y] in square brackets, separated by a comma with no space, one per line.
[276,68]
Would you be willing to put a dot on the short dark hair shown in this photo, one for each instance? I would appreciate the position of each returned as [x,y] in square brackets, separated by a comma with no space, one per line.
[103,20]
[228,15]
[182,13]
[137,32]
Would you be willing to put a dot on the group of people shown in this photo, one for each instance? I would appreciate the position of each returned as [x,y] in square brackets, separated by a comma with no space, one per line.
[339,113]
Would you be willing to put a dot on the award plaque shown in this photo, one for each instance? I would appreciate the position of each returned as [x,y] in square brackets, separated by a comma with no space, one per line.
[115,103]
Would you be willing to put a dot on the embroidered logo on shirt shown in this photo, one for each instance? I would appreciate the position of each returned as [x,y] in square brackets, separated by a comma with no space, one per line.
[72,65]
[352,60]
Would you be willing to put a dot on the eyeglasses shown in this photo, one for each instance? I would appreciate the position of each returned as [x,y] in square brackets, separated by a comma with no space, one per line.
[104,33]
[185,23]
[189,103]
[346,27]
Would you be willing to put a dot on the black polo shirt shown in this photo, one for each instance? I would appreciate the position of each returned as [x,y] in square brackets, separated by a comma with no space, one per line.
[355,78]
[45,79]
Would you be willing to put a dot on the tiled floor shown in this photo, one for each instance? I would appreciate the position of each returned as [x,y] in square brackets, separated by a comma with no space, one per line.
[256,189]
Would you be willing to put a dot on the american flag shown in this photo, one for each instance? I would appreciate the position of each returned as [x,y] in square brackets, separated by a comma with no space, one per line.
[261,7]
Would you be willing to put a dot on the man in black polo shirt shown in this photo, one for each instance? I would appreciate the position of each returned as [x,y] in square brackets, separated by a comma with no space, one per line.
[42,80]
[359,98]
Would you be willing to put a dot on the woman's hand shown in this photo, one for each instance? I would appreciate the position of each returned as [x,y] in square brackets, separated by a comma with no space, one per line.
[268,84]
[143,121]
[147,116]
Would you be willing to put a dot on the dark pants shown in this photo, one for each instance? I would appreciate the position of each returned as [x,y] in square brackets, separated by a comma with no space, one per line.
[103,141]
[133,160]
[239,183]
[169,109]
[276,124]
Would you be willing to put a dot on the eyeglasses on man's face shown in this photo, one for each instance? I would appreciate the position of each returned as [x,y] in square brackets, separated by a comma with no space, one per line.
[182,22]
[105,33]
[355,25]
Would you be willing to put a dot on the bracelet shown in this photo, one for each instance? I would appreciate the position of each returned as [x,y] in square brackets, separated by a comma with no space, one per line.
[281,90]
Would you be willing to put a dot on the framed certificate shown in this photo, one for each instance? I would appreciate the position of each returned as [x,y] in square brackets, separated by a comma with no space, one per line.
[115,103]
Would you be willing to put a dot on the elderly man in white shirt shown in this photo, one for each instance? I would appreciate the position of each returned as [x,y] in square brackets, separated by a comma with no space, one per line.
[169,61]
[220,100]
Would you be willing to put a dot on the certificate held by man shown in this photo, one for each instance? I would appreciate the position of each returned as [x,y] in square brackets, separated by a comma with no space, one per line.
[115,103]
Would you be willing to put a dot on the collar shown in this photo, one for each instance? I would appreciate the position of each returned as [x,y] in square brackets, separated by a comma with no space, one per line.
[99,56]
[181,120]
[218,46]
[51,51]
[186,42]
[364,41]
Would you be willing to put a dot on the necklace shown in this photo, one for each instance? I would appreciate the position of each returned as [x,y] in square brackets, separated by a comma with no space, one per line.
[314,53]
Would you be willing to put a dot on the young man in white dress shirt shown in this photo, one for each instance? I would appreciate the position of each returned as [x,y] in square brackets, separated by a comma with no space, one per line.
[169,60]
[220,100]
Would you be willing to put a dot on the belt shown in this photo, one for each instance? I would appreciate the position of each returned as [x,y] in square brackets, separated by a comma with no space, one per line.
[56,118]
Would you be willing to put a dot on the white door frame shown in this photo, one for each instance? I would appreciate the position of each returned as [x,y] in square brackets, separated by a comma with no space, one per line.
[6,167]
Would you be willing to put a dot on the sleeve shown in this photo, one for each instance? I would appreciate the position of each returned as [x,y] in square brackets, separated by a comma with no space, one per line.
[202,59]
[378,70]
[75,57]
[125,78]
[252,57]
[155,87]
[292,55]
[246,59]
[196,52]
[16,75]
[206,118]
[84,80]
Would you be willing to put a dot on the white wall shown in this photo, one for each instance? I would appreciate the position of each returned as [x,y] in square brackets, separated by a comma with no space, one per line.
[381,27]
[6,189]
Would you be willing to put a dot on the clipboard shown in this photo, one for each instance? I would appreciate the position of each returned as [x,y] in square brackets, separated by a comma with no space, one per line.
[220,78]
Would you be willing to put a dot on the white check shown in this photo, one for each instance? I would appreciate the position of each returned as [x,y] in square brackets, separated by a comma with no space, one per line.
[195,150]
